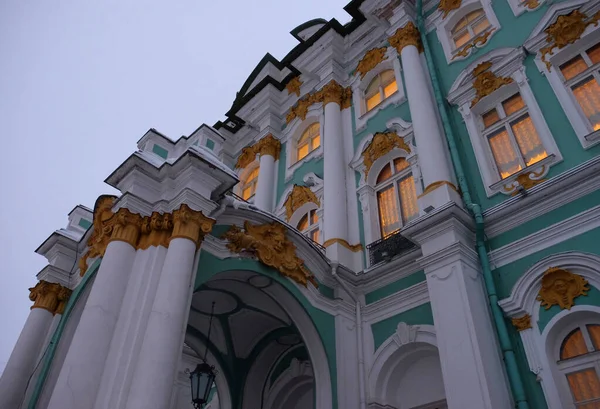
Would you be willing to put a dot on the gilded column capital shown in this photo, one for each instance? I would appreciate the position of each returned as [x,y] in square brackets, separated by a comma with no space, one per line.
[246,157]
[51,297]
[126,227]
[268,145]
[155,230]
[332,92]
[101,232]
[191,224]
[405,36]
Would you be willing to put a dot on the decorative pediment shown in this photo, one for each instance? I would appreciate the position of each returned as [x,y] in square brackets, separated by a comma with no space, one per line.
[371,59]
[299,196]
[446,6]
[486,81]
[269,243]
[561,287]
[382,143]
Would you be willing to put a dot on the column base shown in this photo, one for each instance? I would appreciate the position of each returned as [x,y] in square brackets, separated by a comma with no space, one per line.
[438,194]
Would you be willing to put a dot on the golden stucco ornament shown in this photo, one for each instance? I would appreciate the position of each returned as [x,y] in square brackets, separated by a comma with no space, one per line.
[269,145]
[446,6]
[522,323]
[269,243]
[51,297]
[478,41]
[293,86]
[246,157]
[299,196]
[486,81]
[561,287]
[102,230]
[382,143]
[405,36]
[370,60]
[331,92]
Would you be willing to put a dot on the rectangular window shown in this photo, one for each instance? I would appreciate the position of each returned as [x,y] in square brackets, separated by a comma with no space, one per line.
[160,151]
[408,198]
[388,211]
[512,137]
[585,388]
[302,151]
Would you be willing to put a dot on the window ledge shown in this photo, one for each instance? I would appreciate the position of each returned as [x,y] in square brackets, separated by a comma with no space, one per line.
[397,98]
[593,137]
[467,49]
[316,154]
[539,170]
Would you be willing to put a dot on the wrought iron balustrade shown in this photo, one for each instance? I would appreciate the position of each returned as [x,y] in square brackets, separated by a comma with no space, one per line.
[388,247]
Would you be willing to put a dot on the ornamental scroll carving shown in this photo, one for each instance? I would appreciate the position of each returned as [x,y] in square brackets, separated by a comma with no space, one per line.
[299,196]
[268,242]
[486,81]
[522,323]
[478,41]
[566,30]
[268,145]
[331,92]
[405,36]
[51,297]
[293,86]
[371,59]
[246,157]
[382,143]
[561,287]
[446,6]
[141,232]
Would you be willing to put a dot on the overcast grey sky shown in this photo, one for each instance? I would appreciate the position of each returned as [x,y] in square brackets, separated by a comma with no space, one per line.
[82,80]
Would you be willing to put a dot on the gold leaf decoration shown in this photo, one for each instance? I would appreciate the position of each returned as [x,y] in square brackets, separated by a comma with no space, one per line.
[49,296]
[293,86]
[567,29]
[246,157]
[486,81]
[352,247]
[531,4]
[331,92]
[476,42]
[434,185]
[446,6]
[382,143]
[561,287]
[102,231]
[370,60]
[299,196]
[522,323]
[269,243]
[526,181]
[405,36]
[269,145]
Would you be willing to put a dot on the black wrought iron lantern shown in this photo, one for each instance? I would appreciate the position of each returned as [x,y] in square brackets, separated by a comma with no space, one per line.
[203,376]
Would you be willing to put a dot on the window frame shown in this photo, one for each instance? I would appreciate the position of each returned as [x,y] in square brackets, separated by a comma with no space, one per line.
[292,135]
[468,28]
[244,180]
[519,7]
[312,226]
[381,89]
[309,141]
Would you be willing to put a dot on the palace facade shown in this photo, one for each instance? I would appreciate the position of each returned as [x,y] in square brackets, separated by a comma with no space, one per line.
[402,213]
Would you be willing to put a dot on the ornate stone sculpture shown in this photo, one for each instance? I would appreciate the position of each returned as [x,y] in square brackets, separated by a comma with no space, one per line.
[293,86]
[49,296]
[246,157]
[299,196]
[561,287]
[371,59]
[405,36]
[522,323]
[486,81]
[382,143]
[566,30]
[268,145]
[331,92]
[446,6]
[268,242]
[101,233]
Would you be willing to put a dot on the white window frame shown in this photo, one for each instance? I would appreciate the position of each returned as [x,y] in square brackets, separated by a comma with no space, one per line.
[359,86]
[292,134]
[243,175]
[519,7]
[505,63]
[308,142]
[311,227]
[580,123]
[444,26]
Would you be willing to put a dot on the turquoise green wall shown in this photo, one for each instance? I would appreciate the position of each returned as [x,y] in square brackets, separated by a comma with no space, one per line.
[394,287]
[378,122]
[592,298]
[324,323]
[384,329]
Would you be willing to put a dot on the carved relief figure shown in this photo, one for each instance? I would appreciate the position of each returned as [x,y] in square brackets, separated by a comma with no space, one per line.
[561,287]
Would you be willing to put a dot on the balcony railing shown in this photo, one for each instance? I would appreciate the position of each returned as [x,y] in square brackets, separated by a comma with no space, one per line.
[385,249]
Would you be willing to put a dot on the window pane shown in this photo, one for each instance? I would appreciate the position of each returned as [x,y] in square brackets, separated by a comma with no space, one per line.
[481,26]
[247,193]
[462,23]
[388,212]
[303,223]
[385,174]
[490,118]
[408,199]
[584,385]
[314,219]
[573,67]
[594,53]
[314,235]
[504,154]
[253,175]
[587,94]
[528,140]
[400,164]
[472,16]
[316,142]
[302,151]
[389,89]
[513,104]
[573,345]
[373,101]
[373,87]
[462,39]
[387,77]
[594,331]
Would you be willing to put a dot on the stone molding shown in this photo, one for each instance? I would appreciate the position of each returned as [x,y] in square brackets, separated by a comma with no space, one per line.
[51,297]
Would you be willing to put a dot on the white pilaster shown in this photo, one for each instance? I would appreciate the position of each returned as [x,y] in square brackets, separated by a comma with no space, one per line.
[265,188]
[79,378]
[24,358]
[158,360]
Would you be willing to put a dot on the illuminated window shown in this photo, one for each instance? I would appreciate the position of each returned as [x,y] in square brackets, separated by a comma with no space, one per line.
[579,363]
[309,225]
[396,196]
[469,27]
[309,141]
[512,136]
[381,87]
[249,186]
[582,76]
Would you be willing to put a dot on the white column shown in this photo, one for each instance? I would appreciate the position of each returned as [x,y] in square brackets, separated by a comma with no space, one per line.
[80,375]
[24,358]
[265,188]
[431,144]
[158,360]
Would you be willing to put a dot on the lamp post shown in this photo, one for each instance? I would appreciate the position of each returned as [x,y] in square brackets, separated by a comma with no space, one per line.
[203,376]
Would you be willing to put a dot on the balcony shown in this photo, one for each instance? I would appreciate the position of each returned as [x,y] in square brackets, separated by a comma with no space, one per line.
[387,248]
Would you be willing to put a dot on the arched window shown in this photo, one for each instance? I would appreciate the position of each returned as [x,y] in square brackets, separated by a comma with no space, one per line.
[249,184]
[469,27]
[579,363]
[309,225]
[381,87]
[309,141]
[396,196]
